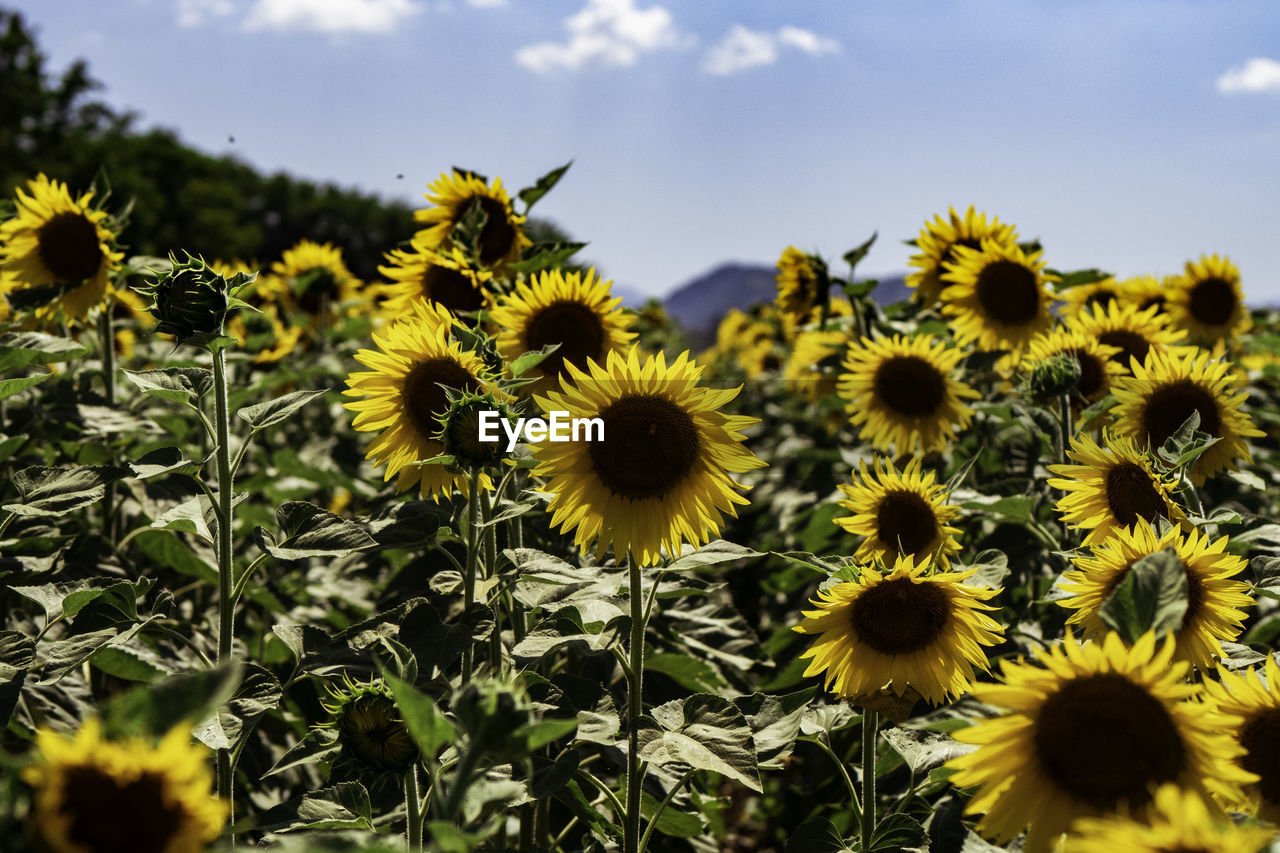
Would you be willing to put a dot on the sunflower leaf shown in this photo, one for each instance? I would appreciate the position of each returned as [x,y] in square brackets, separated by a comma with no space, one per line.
[542,186]
[19,349]
[1151,597]
[714,552]
[58,491]
[531,359]
[817,835]
[262,415]
[314,532]
[341,806]
[857,253]
[9,387]
[704,732]
[428,725]
[155,708]
[174,384]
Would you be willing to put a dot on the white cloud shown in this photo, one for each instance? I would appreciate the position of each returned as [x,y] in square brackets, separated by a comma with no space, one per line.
[194,13]
[487,4]
[604,33]
[329,16]
[1257,75]
[742,48]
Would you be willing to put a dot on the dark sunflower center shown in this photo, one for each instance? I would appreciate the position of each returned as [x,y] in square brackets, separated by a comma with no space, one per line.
[1092,374]
[1260,738]
[1195,597]
[450,288]
[899,617]
[68,246]
[1213,301]
[1008,293]
[650,445]
[1169,406]
[498,235]
[315,286]
[424,399]
[771,362]
[910,385]
[1131,344]
[1131,494]
[375,735]
[949,256]
[108,815]
[1103,739]
[1100,297]
[1157,301]
[905,521]
[573,326]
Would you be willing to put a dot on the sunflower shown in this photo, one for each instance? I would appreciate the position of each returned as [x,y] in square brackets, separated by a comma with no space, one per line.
[901,393]
[55,240]
[93,794]
[1251,707]
[1134,331]
[1177,821]
[800,279]
[574,310]
[501,239]
[761,357]
[404,398]
[730,329]
[899,513]
[901,628]
[1089,733]
[1167,388]
[937,243]
[371,731]
[1207,301]
[1212,592]
[311,278]
[1097,368]
[812,367]
[997,296]
[660,475]
[1113,485]
[1076,299]
[1147,291]
[443,276]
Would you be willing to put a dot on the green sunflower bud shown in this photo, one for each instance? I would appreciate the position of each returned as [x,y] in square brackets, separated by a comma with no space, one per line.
[1053,377]
[460,431]
[191,301]
[370,730]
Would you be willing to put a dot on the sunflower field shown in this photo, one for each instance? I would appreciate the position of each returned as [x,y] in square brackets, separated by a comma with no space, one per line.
[297,561]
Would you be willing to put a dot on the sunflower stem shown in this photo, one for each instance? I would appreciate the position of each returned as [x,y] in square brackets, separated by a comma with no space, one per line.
[635,707]
[515,539]
[469,575]
[824,742]
[226,603]
[108,355]
[1190,490]
[413,805]
[869,732]
[491,571]
[1067,431]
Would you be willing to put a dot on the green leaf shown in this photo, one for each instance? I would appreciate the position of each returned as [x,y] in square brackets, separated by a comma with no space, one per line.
[531,195]
[924,750]
[19,349]
[162,460]
[687,671]
[259,692]
[547,256]
[705,732]
[341,806]
[128,664]
[188,517]
[1187,443]
[856,254]
[1068,280]
[64,599]
[1152,596]
[17,657]
[156,708]
[1014,507]
[316,746]
[173,384]
[275,411]
[431,729]
[531,359]
[817,835]
[774,722]
[992,568]
[714,552]
[60,490]
[896,832]
[9,387]
[313,532]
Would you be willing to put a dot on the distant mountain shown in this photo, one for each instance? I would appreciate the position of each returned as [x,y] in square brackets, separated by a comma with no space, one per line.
[699,304]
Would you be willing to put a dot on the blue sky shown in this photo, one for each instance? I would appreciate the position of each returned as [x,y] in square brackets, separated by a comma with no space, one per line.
[1126,135]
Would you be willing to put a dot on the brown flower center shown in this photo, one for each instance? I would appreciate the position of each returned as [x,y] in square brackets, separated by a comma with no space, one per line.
[1131,494]
[1213,301]
[573,326]
[1131,344]
[110,815]
[1093,375]
[1157,301]
[1008,293]
[905,521]
[498,236]
[1102,298]
[1260,738]
[1103,740]
[898,617]
[424,399]
[451,288]
[68,247]
[910,385]
[650,445]
[1170,405]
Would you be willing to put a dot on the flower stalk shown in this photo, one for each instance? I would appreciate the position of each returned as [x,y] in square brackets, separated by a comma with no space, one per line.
[635,707]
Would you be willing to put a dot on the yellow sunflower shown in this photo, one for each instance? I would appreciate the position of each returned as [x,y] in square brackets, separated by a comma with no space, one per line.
[937,243]
[93,794]
[1177,822]
[1077,299]
[312,278]
[1207,301]
[730,330]
[997,297]
[1097,368]
[501,239]
[1167,388]
[812,368]
[902,395]
[404,399]
[900,513]
[1147,291]
[1213,592]
[575,310]
[1134,331]
[660,475]
[1250,705]
[1112,485]
[443,276]
[799,287]
[761,357]
[904,628]
[53,239]
[1090,733]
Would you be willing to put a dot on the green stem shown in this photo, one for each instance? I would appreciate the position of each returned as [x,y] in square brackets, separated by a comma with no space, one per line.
[491,571]
[666,801]
[635,707]
[107,345]
[1067,431]
[515,539]
[1197,505]
[869,725]
[6,521]
[413,805]
[469,574]
[461,781]
[226,602]
[852,789]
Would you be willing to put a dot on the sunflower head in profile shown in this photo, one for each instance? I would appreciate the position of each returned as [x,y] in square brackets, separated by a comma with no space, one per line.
[900,391]
[1168,388]
[657,470]
[403,398]
[900,513]
[575,311]
[997,297]
[61,243]
[937,246]
[94,794]
[1133,331]
[1112,485]
[1077,299]
[801,280]
[1250,706]
[814,363]
[1207,301]
[1214,591]
[458,196]
[905,628]
[1177,820]
[1147,291]
[312,279]
[1097,369]
[1090,732]
[370,730]
[443,276]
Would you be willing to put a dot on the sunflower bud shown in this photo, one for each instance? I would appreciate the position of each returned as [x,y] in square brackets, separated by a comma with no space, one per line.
[493,714]
[460,432]
[191,301]
[1053,377]
[370,730]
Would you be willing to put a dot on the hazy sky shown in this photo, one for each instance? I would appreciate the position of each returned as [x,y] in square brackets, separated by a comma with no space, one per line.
[1126,135]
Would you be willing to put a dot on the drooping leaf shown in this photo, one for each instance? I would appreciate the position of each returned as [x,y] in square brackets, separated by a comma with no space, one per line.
[311,531]
[341,806]
[155,708]
[1151,597]
[19,349]
[705,732]
[272,412]
[59,490]
[173,384]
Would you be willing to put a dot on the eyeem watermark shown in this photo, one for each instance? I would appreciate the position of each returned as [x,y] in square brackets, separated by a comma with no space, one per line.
[557,427]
